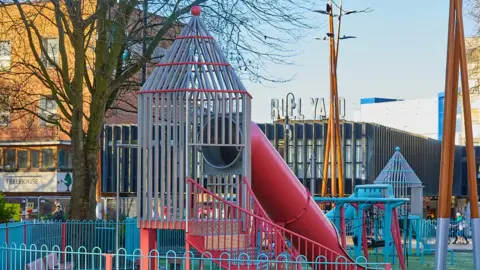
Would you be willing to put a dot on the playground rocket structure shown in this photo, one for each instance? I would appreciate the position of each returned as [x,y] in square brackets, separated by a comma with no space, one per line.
[192,110]
[456,62]
[204,167]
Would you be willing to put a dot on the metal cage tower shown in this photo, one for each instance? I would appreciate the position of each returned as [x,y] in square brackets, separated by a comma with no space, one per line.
[193,122]
[405,184]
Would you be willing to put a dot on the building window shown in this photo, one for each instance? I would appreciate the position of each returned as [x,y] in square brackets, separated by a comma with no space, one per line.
[319,170]
[299,151]
[348,170]
[358,151]
[34,159]
[47,158]
[359,171]
[51,47]
[48,111]
[10,159]
[319,151]
[4,110]
[22,159]
[5,54]
[64,159]
[291,155]
[309,148]
[300,171]
[348,153]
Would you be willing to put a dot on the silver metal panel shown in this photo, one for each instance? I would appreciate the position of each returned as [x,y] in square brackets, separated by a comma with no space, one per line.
[475,223]
[441,245]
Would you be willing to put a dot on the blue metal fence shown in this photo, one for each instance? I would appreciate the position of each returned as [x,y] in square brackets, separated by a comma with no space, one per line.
[87,234]
[39,258]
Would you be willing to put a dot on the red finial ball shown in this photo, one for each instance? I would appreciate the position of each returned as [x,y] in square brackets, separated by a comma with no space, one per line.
[196,10]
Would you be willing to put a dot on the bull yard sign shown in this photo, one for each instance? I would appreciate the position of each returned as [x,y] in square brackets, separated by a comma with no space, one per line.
[278,109]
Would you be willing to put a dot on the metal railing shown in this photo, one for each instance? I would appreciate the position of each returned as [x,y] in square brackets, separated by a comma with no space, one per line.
[232,227]
[426,231]
[87,234]
[20,257]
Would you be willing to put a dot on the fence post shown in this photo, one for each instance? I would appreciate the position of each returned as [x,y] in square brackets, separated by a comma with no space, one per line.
[25,234]
[187,256]
[8,246]
[148,242]
[388,266]
[109,262]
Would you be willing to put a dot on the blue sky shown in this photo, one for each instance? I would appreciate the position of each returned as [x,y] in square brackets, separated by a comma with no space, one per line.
[399,52]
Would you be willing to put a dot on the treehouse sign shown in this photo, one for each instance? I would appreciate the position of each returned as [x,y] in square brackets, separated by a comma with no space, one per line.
[318,110]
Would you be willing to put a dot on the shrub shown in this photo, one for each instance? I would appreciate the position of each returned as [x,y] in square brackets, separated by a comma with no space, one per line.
[6,212]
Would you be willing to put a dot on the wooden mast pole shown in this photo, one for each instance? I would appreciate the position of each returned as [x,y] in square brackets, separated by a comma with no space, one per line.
[471,165]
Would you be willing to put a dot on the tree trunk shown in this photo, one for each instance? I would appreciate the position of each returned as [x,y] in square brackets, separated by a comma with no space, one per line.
[83,196]
[80,195]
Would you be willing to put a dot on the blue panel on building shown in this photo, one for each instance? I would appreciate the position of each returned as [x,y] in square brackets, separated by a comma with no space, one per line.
[377,100]
[441,111]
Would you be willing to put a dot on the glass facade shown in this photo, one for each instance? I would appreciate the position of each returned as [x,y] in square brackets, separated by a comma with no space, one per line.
[366,150]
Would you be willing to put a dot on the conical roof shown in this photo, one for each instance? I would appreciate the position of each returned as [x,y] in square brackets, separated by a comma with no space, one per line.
[398,172]
[194,62]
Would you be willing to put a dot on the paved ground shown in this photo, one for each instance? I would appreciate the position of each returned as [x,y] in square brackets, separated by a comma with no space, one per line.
[460,246]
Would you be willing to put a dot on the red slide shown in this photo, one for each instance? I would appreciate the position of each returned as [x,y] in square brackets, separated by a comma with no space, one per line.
[286,200]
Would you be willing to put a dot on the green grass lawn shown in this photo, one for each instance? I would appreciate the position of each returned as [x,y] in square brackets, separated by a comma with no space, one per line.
[463,261]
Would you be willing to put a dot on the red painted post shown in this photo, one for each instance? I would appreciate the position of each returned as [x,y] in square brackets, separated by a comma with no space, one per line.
[148,242]
[388,267]
[187,256]
[108,262]
[64,236]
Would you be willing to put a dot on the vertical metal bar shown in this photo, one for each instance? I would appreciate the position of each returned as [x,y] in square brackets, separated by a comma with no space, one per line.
[216,106]
[168,145]
[150,156]
[146,213]
[187,164]
[230,113]
[238,104]
[181,145]
[117,210]
[194,136]
[162,145]
[157,147]
[175,157]
[224,116]
[202,106]
[139,159]
[209,114]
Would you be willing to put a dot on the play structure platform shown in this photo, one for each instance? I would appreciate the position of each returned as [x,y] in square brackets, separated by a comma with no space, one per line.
[205,167]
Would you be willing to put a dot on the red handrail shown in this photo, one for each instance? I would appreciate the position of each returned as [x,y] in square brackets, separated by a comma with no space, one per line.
[302,244]
[263,213]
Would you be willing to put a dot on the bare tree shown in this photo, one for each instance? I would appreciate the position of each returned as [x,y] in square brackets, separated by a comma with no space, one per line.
[472,8]
[101,46]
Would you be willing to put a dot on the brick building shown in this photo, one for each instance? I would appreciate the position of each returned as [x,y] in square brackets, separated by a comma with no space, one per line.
[35,156]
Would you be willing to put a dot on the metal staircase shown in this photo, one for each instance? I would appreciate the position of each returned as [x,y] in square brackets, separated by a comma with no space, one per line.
[245,235]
